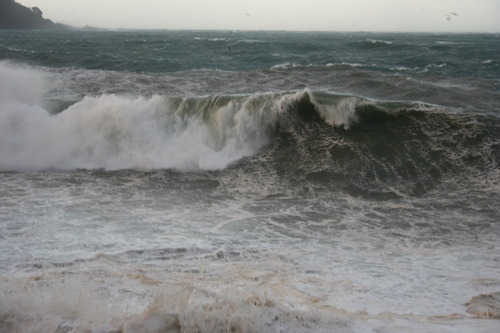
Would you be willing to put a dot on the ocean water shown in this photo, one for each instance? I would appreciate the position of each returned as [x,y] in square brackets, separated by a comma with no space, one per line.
[211,181]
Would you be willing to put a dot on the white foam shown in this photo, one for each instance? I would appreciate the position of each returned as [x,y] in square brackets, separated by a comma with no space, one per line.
[449,43]
[485,305]
[348,63]
[119,132]
[246,292]
[285,65]
[341,112]
[20,84]
[375,41]
[175,306]
[250,41]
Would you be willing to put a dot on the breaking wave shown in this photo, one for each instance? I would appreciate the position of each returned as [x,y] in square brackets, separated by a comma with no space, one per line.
[116,132]
[311,135]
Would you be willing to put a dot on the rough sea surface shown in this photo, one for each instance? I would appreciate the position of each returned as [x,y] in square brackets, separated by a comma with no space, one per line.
[211,181]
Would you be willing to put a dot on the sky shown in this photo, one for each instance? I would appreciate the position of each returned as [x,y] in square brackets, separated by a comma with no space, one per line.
[324,15]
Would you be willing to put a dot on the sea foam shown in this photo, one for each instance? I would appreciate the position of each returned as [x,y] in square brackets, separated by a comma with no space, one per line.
[20,84]
[114,132]
[119,132]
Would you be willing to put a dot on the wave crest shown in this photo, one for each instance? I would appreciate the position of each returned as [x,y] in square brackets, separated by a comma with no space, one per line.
[116,132]
[160,132]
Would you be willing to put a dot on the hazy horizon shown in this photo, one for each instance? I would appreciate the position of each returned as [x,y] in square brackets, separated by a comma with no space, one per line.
[315,15]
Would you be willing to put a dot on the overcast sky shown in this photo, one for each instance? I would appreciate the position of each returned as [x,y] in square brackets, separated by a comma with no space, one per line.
[328,15]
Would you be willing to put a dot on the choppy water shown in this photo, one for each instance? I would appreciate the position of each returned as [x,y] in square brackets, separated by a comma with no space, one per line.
[249,181]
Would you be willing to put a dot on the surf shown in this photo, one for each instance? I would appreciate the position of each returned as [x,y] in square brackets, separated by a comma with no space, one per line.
[218,191]
[365,147]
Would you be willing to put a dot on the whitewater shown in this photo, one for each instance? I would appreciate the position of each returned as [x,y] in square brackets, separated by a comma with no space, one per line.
[221,181]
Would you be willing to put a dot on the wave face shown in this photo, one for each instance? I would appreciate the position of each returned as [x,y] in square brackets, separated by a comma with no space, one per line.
[380,150]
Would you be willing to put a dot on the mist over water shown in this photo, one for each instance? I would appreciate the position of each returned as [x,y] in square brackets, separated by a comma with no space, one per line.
[248,182]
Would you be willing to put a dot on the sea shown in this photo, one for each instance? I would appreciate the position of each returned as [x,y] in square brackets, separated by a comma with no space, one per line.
[249,181]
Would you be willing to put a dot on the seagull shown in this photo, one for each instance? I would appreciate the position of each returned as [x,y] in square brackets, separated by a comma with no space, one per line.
[448,17]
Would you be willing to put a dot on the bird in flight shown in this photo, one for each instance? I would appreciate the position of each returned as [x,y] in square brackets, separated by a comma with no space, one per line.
[448,17]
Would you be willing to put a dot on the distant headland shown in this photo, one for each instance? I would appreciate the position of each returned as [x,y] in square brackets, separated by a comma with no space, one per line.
[16,16]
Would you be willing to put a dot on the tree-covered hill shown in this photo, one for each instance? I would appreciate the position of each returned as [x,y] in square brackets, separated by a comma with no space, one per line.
[16,16]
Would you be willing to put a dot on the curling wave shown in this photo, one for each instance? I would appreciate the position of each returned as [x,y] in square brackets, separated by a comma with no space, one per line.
[366,147]
[185,133]
[119,132]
